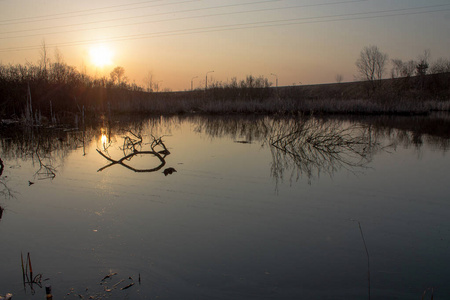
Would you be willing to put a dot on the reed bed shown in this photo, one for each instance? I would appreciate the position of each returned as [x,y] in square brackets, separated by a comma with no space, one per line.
[275,105]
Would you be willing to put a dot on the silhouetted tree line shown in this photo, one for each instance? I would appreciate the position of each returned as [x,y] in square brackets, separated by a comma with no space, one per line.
[418,78]
[250,88]
[59,91]
[57,88]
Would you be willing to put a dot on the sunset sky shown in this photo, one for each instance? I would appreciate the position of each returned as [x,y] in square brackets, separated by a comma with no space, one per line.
[301,41]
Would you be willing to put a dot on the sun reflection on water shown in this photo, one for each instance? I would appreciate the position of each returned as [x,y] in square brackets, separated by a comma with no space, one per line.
[105,139]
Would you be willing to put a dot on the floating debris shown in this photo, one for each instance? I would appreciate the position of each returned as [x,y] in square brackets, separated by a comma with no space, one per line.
[109,276]
[106,288]
[122,280]
[128,286]
[7,297]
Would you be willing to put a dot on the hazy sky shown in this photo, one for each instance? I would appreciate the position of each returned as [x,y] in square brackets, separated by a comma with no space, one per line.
[300,41]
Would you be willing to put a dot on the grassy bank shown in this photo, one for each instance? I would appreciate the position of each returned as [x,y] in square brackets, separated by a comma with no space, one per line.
[276,105]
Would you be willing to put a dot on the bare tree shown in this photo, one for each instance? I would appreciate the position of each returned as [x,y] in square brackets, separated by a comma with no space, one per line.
[117,74]
[339,78]
[408,68]
[371,64]
[442,65]
[423,64]
[397,66]
[58,68]
[44,61]
[148,81]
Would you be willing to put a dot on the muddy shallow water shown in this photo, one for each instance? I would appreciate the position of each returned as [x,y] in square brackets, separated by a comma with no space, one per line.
[228,208]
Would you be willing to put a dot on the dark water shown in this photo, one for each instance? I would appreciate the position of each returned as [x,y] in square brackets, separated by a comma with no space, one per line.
[258,208]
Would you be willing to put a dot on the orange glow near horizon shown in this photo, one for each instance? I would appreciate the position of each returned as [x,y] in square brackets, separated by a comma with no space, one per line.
[172,42]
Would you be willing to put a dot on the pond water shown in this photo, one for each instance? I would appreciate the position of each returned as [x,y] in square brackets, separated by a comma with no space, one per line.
[213,207]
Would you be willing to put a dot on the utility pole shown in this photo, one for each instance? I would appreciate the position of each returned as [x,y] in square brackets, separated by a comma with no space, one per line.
[206,79]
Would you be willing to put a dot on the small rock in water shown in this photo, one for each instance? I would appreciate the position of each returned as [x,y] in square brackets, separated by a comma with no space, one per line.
[169,171]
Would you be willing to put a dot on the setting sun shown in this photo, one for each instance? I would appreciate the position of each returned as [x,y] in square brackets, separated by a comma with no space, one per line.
[101,56]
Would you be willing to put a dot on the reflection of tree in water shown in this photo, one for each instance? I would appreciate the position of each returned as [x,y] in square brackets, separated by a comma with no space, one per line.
[133,146]
[5,191]
[410,131]
[238,127]
[310,147]
[303,145]
[46,148]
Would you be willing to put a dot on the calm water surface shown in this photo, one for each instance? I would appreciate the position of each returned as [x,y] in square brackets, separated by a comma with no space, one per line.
[258,208]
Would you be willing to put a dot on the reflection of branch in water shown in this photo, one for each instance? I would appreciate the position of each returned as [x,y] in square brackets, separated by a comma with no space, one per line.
[130,145]
[313,146]
[5,191]
[45,171]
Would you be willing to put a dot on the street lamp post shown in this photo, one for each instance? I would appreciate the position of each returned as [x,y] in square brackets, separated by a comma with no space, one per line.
[276,76]
[206,79]
[192,82]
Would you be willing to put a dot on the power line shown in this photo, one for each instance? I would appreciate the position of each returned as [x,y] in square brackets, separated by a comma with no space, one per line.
[75,12]
[342,17]
[176,19]
[60,15]
[150,15]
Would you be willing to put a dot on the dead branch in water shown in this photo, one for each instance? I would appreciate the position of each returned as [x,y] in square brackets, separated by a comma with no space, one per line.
[131,145]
